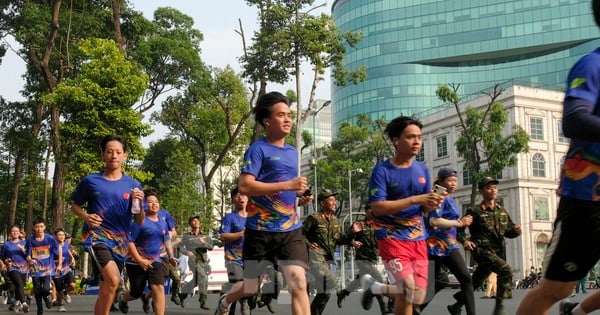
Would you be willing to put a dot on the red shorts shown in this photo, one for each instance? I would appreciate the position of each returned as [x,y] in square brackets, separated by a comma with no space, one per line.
[405,258]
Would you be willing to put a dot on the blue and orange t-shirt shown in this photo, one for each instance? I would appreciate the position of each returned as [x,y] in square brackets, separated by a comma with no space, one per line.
[442,241]
[272,164]
[389,182]
[110,199]
[14,251]
[150,239]
[233,223]
[580,176]
[44,252]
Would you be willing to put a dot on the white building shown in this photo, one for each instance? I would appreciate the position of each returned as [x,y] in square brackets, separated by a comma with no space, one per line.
[527,190]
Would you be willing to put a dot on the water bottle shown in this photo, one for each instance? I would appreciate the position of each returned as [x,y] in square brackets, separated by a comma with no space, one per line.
[136,205]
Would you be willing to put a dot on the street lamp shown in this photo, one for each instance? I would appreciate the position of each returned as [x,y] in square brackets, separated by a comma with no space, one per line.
[358,170]
[314,123]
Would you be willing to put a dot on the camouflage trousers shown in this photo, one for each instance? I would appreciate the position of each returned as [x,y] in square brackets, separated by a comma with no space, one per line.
[323,280]
[488,262]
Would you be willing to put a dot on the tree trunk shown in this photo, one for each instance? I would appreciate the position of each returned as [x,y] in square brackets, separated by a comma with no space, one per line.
[14,196]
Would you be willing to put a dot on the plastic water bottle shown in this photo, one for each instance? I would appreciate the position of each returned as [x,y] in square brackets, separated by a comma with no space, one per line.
[136,205]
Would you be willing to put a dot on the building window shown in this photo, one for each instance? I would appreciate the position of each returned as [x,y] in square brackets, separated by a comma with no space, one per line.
[538,165]
[442,146]
[421,156]
[559,132]
[541,208]
[541,245]
[536,126]
[467,177]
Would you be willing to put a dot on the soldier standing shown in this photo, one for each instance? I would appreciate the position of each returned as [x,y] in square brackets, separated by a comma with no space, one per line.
[323,232]
[491,225]
[197,244]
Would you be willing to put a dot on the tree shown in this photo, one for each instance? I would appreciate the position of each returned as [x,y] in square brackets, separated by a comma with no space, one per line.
[481,144]
[287,37]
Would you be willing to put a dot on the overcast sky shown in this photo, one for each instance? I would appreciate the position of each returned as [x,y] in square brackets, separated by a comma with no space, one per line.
[217,20]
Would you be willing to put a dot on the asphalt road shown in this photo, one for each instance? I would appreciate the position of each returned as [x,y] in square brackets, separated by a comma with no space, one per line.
[84,304]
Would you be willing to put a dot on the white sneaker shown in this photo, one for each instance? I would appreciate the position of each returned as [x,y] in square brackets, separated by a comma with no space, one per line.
[67,298]
[4,298]
[222,306]
[17,307]
[62,309]
[25,308]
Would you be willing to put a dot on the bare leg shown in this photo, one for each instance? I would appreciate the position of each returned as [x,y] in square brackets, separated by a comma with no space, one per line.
[296,279]
[547,293]
[158,298]
[242,289]
[108,288]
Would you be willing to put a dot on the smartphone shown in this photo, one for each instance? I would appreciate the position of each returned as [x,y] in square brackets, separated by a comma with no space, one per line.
[439,189]
[307,192]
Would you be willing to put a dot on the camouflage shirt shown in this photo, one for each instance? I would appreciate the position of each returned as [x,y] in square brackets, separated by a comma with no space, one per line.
[368,251]
[326,232]
[489,228]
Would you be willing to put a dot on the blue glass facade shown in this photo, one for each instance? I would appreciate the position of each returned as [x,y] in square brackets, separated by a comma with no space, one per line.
[410,47]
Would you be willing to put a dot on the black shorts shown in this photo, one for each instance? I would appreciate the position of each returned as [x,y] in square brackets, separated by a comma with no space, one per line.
[572,251]
[138,277]
[61,282]
[262,249]
[104,255]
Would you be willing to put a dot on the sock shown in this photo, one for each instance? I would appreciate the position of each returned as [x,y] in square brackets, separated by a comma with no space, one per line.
[577,310]
[377,287]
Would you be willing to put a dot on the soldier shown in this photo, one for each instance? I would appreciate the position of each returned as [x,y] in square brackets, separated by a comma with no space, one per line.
[323,232]
[491,225]
[365,244]
[197,244]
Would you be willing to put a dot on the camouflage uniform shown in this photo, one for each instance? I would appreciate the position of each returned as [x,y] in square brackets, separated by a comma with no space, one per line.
[488,231]
[198,245]
[325,231]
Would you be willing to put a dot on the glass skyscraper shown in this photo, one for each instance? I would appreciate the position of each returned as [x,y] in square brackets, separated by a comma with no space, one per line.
[410,47]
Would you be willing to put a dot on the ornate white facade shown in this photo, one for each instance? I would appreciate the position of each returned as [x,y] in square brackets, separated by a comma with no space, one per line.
[528,189]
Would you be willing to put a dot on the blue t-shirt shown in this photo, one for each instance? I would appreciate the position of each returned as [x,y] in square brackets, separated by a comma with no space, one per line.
[66,265]
[272,164]
[442,241]
[164,215]
[44,253]
[580,176]
[16,253]
[110,199]
[389,182]
[150,239]
[233,223]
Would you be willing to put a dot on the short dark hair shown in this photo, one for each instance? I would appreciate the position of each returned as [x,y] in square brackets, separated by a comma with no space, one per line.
[234,191]
[398,124]
[596,11]
[150,192]
[192,218]
[59,230]
[38,221]
[109,138]
[264,104]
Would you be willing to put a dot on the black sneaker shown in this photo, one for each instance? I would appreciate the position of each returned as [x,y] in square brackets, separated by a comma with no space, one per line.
[341,295]
[454,309]
[145,304]
[175,299]
[566,306]
[366,300]
[48,300]
[123,307]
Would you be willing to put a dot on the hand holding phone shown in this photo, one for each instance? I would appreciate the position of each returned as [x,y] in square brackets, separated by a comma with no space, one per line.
[307,192]
[439,189]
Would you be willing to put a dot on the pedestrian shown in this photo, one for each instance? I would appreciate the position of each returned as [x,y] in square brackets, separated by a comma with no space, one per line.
[64,281]
[42,251]
[571,253]
[365,246]
[150,253]
[581,285]
[443,246]
[110,198]
[273,228]
[399,193]
[232,236]
[491,286]
[491,225]
[323,233]
[196,243]
[13,261]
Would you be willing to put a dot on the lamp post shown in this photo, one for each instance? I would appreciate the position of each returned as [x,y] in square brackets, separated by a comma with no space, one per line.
[358,170]
[314,132]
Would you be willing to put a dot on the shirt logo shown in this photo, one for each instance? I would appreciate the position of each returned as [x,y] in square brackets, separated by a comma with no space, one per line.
[422,180]
[577,82]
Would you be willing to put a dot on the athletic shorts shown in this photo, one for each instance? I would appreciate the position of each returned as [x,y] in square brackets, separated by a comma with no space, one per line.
[572,251]
[262,249]
[404,258]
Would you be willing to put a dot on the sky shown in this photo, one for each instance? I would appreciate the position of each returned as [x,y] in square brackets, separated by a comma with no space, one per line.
[222,46]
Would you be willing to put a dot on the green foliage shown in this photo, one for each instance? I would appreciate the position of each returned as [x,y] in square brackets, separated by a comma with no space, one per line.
[482,144]
[97,101]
